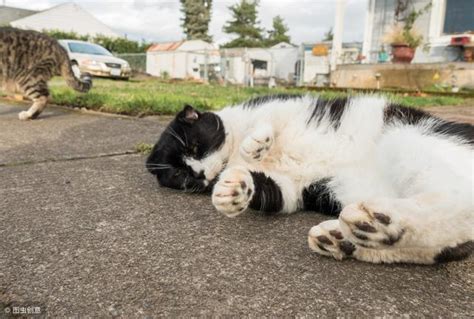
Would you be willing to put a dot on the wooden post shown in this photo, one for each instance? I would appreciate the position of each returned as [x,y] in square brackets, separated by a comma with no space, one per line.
[336,50]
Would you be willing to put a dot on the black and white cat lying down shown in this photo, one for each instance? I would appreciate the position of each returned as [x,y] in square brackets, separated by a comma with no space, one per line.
[400,180]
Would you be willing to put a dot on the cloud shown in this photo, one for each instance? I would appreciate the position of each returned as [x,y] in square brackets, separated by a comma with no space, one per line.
[160,20]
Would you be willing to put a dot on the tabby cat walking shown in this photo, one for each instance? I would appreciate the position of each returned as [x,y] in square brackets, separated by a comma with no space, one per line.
[28,60]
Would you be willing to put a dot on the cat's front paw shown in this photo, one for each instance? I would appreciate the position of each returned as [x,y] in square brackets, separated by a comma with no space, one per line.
[233,192]
[255,146]
[327,239]
[371,226]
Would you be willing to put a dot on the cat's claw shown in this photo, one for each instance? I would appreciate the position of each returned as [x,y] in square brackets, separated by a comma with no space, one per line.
[233,192]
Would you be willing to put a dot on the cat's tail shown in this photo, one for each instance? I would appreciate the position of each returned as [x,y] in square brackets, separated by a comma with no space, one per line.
[82,84]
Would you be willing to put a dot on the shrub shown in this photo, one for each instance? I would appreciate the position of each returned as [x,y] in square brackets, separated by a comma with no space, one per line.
[116,45]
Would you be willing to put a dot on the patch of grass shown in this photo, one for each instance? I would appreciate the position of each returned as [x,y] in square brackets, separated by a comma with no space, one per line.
[157,97]
[431,100]
[144,148]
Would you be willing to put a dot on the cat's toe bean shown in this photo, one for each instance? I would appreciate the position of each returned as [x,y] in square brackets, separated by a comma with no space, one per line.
[255,147]
[327,239]
[232,193]
[363,224]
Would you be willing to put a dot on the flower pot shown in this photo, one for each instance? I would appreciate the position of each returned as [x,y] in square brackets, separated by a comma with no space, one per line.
[469,53]
[402,53]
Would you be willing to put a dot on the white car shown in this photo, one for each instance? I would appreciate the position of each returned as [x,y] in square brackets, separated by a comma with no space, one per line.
[96,60]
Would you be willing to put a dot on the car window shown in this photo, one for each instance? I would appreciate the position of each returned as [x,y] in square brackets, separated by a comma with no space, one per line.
[88,48]
[63,45]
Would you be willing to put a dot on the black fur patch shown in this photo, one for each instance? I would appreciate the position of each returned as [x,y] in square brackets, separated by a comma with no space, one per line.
[459,252]
[462,130]
[411,116]
[405,115]
[260,100]
[183,138]
[320,198]
[267,194]
[332,108]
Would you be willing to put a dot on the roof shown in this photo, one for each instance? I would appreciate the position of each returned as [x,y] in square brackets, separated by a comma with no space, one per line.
[183,45]
[282,45]
[66,17]
[165,46]
[9,14]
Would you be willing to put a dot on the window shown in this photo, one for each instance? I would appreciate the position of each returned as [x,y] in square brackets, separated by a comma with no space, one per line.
[87,48]
[259,64]
[459,16]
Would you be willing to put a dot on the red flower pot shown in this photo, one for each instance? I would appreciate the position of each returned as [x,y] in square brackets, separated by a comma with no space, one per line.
[402,53]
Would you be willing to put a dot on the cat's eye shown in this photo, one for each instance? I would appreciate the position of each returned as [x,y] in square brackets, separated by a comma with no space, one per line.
[192,150]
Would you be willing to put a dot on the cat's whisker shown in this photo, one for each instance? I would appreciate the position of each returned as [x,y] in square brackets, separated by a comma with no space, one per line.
[158,165]
[185,138]
[218,124]
[173,133]
[159,168]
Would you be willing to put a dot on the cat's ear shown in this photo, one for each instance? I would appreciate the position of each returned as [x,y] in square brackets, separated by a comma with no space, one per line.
[189,114]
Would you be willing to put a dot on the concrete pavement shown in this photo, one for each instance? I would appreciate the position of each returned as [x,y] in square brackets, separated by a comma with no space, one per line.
[86,231]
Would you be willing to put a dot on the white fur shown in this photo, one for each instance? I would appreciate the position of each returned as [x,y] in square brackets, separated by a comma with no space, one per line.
[424,183]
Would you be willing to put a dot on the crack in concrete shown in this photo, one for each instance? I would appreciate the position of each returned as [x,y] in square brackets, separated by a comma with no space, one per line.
[67,159]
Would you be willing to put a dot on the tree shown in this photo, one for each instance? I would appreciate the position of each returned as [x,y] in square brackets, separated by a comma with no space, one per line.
[328,36]
[244,23]
[197,15]
[279,32]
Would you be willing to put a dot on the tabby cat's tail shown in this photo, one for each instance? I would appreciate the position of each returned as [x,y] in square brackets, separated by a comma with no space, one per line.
[84,84]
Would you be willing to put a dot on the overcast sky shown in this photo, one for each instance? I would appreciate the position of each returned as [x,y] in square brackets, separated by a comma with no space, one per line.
[159,20]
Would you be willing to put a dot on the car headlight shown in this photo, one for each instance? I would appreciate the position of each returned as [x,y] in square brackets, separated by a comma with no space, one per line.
[93,63]
[90,62]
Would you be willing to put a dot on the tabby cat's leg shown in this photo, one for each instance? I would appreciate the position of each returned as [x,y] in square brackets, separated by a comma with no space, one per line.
[416,230]
[238,189]
[37,91]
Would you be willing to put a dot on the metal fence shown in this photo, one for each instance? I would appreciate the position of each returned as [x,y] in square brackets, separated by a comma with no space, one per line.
[285,65]
[137,61]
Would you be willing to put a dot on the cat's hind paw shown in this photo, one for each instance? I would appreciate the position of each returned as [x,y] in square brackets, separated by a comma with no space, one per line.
[370,227]
[24,115]
[233,192]
[327,239]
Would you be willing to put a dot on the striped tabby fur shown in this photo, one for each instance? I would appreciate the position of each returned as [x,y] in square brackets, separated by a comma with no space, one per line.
[28,60]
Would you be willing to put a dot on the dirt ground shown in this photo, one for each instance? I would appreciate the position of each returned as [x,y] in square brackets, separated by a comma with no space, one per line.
[454,113]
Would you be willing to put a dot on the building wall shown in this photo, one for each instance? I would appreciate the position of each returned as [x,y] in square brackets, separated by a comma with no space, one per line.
[284,62]
[316,68]
[235,70]
[178,64]
[173,63]
[66,17]
[406,76]
[236,64]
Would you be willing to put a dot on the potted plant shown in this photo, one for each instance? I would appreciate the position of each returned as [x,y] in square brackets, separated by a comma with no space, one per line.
[403,37]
